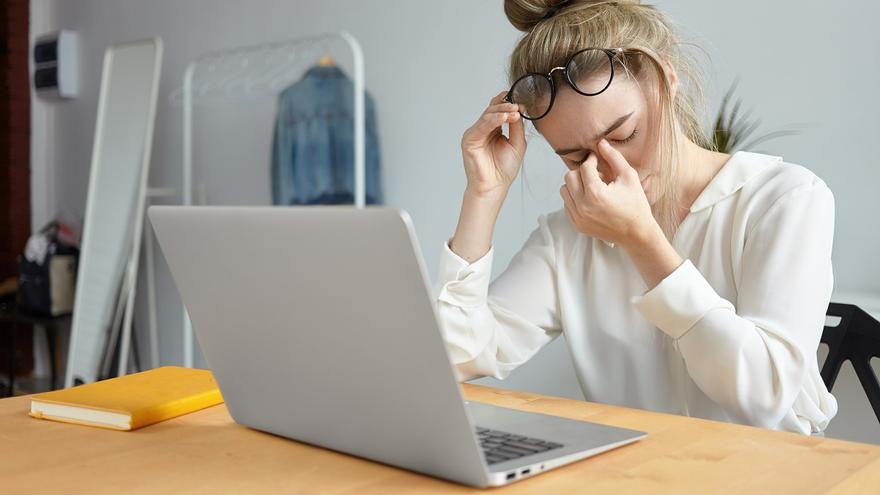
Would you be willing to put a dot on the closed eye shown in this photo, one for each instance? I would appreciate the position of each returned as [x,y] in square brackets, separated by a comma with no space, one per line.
[626,140]
[583,158]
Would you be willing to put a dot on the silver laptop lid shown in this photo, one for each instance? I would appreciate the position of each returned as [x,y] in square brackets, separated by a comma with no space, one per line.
[318,325]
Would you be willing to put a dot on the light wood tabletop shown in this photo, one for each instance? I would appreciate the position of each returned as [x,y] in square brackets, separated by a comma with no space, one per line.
[206,452]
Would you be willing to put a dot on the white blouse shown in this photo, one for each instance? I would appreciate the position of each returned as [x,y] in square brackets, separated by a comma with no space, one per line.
[730,335]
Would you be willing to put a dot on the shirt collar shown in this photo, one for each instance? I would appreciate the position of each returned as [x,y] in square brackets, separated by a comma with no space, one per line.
[739,169]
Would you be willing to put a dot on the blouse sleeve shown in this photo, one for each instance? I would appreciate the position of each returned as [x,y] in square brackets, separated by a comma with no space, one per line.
[491,328]
[754,358]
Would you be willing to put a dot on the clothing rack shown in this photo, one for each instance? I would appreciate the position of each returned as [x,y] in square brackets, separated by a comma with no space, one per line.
[259,71]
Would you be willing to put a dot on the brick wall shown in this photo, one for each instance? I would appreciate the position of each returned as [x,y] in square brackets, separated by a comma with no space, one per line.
[15,122]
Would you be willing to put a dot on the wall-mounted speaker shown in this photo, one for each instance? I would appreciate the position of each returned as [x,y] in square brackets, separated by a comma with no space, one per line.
[56,63]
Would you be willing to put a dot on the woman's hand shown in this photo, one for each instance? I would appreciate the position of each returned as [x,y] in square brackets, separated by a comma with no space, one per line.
[491,160]
[618,211]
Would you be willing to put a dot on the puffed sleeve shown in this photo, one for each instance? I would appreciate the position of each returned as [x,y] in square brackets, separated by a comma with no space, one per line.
[757,359]
[491,328]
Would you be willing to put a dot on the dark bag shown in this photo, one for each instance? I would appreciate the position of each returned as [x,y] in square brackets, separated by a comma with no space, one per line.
[47,288]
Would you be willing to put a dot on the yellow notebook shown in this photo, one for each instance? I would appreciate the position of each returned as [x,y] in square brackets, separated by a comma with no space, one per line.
[131,401]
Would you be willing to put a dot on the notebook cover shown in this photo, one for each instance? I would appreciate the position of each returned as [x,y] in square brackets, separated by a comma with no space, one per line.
[147,397]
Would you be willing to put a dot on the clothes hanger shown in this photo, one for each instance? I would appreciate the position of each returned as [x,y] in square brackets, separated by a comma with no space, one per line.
[326,61]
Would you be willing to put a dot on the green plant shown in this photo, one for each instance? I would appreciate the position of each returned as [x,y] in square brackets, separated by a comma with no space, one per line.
[732,129]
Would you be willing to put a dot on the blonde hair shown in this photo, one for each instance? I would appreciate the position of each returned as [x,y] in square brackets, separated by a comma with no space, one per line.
[548,43]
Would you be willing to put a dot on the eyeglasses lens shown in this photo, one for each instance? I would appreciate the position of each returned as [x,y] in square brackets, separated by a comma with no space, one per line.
[590,71]
[532,94]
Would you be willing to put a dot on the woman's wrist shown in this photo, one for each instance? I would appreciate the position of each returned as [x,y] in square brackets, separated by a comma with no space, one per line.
[652,254]
[488,196]
[643,236]
[476,224]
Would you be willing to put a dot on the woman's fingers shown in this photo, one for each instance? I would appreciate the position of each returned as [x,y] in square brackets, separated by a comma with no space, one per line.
[517,132]
[505,112]
[498,98]
[590,172]
[500,111]
[616,161]
[503,107]
[517,129]
[568,202]
[498,104]
[489,122]
[574,183]
[496,114]
[566,196]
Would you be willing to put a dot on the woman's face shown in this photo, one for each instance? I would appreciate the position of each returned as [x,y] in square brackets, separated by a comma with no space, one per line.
[621,114]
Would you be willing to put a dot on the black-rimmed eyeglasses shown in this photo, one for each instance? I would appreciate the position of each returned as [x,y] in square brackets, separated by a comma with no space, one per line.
[588,71]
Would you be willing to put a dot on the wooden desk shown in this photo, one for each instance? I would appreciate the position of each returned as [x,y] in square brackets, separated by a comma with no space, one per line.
[205,452]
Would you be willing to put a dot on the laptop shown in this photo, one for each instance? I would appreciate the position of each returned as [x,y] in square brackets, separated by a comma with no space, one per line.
[319,325]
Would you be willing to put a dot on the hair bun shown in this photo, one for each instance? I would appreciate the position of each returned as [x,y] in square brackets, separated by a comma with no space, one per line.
[525,14]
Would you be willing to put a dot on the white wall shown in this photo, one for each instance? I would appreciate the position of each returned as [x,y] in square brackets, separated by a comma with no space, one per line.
[432,67]
[42,129]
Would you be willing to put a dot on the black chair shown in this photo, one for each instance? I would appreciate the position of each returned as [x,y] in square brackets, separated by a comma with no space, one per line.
[13,319]
[857,339]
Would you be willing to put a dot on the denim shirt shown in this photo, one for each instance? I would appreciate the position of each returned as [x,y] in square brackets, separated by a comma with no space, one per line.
[313,142]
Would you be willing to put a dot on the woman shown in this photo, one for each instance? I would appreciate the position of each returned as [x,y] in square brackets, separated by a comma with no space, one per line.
[685,280]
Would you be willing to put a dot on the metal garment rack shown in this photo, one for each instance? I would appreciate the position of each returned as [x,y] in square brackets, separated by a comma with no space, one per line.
[265,69]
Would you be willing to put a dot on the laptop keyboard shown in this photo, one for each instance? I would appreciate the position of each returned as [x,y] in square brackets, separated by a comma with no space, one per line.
[500,446]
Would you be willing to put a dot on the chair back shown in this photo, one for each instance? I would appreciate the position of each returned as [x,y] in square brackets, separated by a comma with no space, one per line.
[857,339]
